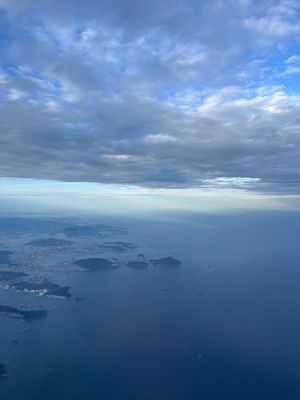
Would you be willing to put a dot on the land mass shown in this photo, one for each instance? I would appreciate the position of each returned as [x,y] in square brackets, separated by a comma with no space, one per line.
[11,275]
[95,264]
[50,242]
[42,289]
[26,313]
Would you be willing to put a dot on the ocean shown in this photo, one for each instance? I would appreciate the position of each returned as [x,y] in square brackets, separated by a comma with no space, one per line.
[223,325]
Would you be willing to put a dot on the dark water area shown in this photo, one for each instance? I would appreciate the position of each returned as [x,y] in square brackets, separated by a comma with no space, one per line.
[224,325]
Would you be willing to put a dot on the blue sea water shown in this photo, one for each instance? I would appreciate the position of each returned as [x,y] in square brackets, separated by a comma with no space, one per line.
[225,325]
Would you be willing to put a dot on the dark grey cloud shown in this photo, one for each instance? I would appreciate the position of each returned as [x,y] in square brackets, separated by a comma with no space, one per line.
[170,94]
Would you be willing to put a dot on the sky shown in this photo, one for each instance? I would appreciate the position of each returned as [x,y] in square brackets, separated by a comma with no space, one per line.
[30,196]
[158,98]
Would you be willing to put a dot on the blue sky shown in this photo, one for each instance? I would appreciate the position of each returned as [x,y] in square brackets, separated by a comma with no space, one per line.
[167,96]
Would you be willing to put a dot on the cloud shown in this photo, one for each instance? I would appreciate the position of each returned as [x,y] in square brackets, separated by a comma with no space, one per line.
[158,94]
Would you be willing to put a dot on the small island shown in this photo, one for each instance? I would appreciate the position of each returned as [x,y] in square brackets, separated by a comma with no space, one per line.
[139,263]
[96,264]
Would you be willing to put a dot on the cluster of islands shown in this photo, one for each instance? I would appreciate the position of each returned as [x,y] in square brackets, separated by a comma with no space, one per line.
[33,253]
[95,264]
[27,246]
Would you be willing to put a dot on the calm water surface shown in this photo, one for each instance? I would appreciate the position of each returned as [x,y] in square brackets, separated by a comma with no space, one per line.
[148,334]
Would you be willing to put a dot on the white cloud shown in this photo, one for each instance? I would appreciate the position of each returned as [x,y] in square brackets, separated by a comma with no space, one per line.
[15,94]
[169,94]
[293,59]
[159,139]
[290,70]
[231,182]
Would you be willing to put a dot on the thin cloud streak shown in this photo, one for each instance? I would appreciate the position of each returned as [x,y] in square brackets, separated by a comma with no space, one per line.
[31,196]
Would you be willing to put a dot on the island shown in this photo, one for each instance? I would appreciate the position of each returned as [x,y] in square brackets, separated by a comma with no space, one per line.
[139,263]
[42,289]
[96,264]
[27,313]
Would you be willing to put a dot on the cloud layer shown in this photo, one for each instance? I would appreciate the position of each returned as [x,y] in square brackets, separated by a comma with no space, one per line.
[165,94]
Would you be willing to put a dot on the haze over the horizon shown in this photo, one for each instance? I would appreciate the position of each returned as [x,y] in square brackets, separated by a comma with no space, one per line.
[182,95]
